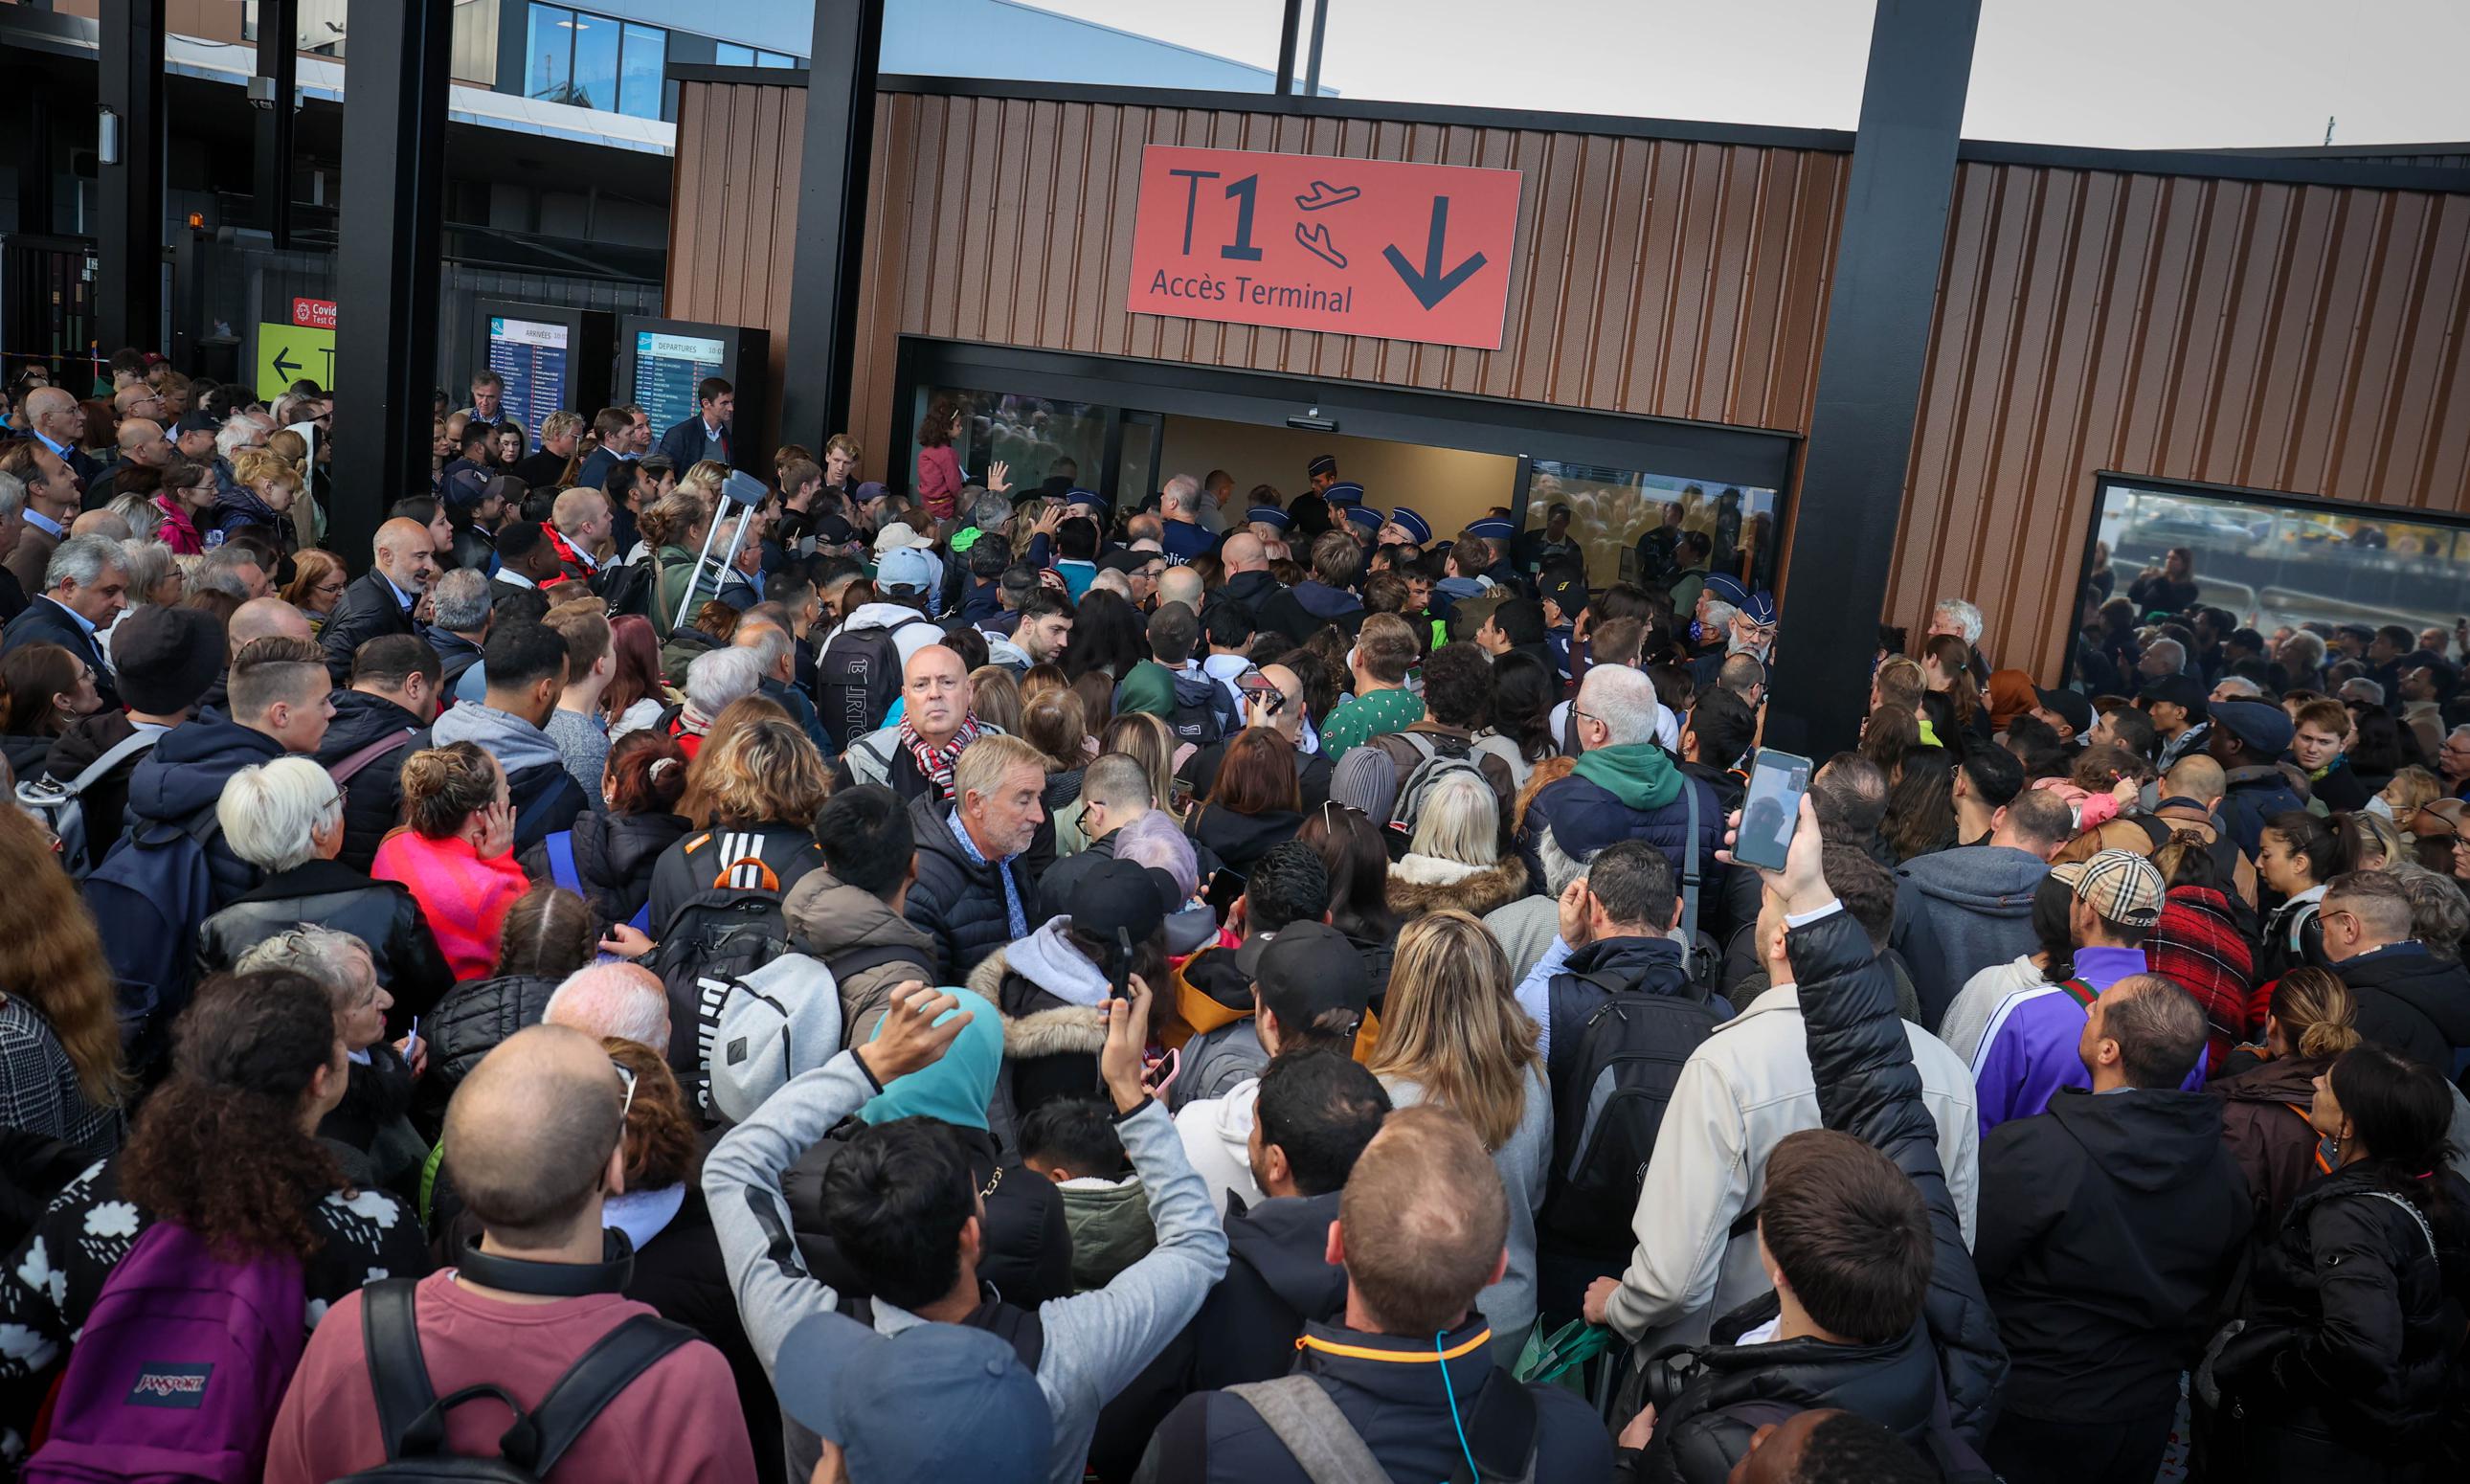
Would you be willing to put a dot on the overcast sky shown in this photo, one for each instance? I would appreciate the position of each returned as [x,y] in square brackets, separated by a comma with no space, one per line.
[2121,73]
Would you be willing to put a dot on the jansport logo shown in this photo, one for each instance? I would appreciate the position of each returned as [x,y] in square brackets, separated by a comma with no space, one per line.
[170,1385]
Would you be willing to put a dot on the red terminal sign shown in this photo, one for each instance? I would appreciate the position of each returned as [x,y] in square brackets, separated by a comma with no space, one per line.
[1307,241]
[314,314]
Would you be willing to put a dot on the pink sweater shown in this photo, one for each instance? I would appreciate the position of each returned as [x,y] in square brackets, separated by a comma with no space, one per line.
[464,896]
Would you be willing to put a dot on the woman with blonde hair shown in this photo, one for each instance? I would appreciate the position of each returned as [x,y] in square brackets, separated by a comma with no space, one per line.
[994,697]
[1452,1035]
[757,785]
[1454,857]
[695,803]
[61,1073]
[1054,723]
[2264,1089]
[264,486]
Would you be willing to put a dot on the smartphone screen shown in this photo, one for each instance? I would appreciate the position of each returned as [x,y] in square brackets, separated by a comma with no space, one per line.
[1771,808]
[1256,687]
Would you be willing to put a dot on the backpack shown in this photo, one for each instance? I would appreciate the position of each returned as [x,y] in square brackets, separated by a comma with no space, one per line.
[58,806]
[148,897]
[411,1417]
[710,942]
[559,846]
[857,678]
[1608,1103]
[626,588]
[180,1368]
[1203,711]
[1436,757]
[769,1026]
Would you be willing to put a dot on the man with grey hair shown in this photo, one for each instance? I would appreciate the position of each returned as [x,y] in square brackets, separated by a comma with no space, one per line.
[1954,616]
[230,567]
[459,615]
[381,600]
[716,679]
[85,587]
[623,1000]
[763,632]
[2359,690]
[2163,657]
[2236,687]
[1182,537]
[1624,787]
[58,422]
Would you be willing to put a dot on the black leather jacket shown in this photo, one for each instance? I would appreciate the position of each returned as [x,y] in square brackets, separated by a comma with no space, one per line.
[380,913]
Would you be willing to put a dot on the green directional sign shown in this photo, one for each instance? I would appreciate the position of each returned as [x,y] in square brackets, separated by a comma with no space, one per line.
[287,353]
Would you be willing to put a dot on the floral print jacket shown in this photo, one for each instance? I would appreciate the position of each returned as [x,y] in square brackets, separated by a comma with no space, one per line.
[52,1280]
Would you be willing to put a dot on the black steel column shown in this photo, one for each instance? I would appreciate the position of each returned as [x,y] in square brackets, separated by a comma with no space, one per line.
[278,71]
[389,268]
[831,221]
[1878,313]
[128,216]
[1290,29]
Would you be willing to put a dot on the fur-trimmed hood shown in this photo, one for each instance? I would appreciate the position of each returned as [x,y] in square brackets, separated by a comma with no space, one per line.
[1422,884]
[1036,1021]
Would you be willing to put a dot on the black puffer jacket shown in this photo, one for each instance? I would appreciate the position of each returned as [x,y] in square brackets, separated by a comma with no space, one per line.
[472,1019]
[956,901]
[373,798]
[1867,1086]
[384,914]
[2354,1323]
[613,856]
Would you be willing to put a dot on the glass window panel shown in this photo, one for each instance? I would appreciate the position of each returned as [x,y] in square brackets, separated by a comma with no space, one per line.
[639,89]
[728,53]
[1031,436]
[1225,46]
[548,53]
[775,59]
[596,62]
[2273,567]
[1626,524]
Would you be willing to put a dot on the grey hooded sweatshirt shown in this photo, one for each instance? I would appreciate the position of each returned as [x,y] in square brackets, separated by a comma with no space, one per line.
[1960,911]
[1096,1342]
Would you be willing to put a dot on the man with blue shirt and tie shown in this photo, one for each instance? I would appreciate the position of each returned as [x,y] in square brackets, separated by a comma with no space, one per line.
[85,587]
[58,422]
[381,600]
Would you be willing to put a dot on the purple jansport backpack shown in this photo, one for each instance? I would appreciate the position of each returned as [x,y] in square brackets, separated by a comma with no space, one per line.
[179,1370]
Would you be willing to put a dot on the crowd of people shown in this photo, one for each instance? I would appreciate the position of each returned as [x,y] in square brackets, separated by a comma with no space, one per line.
[919,977]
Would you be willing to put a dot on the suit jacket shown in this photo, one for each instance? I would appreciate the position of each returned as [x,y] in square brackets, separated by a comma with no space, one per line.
[369,611]
[33,555]
[686,445]
[46,622]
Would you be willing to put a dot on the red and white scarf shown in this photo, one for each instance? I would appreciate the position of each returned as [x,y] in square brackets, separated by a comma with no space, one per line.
[936,762]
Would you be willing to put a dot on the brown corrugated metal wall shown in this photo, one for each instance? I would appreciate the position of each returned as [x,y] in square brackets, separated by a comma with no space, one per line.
[2303,338]
[2300,338]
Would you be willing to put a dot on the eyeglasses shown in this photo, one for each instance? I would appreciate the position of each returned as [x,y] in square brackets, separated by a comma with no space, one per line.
[627,1076]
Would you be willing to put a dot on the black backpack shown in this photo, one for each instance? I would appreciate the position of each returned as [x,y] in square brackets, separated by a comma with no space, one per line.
[411,1417]
[1203,711]
[1610,1089]
[714,938]
[857,678]
[626,588]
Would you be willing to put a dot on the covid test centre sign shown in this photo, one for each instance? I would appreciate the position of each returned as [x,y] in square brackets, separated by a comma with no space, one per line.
[1307,241]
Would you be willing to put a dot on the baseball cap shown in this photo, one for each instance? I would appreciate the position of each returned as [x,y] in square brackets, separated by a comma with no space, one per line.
[1414,524]
[1311,970]
[2183,691]
[832,529]
[871,491]
[2120,886]
[1569,589]
[1727,588]
[1361,515]
[866,1392]
[1111,895]
[905,568]
[1268,514]
[2262,725]
[169,657]
[2074,707]
[899,534]
[1345,492]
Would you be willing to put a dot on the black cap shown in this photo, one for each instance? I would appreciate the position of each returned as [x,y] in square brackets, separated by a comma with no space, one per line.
[2183,691]
[1567,588]
[1114,894]
[167,657]
[2070,706]
[1309,971]
[834,529]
